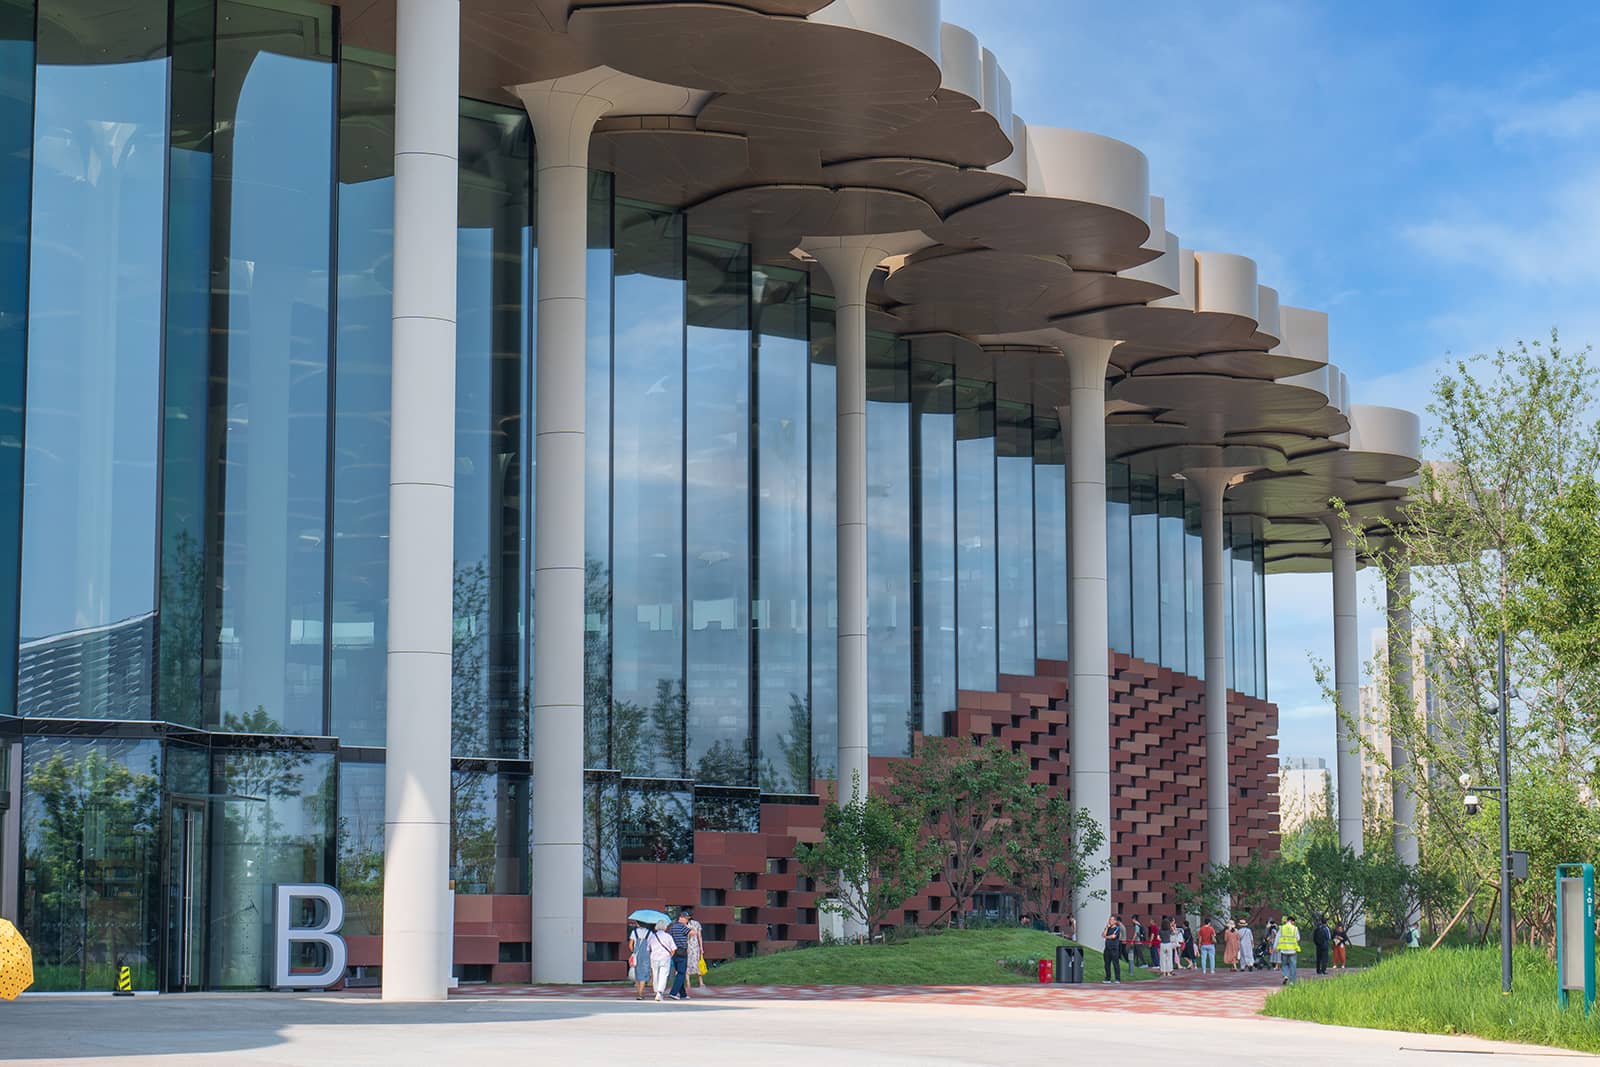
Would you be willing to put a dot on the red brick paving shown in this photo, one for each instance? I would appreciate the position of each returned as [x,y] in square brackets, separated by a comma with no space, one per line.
[1230,996]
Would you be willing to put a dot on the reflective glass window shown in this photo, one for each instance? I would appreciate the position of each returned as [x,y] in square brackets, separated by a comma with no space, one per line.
[1119,559]
[94,362]
[360,574]
[1259,563]
[1174,586]
[933,397]
[1194,589]
[492,341]
[1050,537]
[272,231]
[16,155]
[1146,567]
[360,844]
[1243,584]
[90,870]
[272,821]
[781,613]
[1228,598]
[727,811]
[717,513]
[596,481]
[1013,473]
[602,822]
[976,648]
[889,707]
[824,547]
[489,831]
[647,492]
[657,822]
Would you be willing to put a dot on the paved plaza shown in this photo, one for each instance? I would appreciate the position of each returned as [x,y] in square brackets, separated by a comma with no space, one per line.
[1195,1023]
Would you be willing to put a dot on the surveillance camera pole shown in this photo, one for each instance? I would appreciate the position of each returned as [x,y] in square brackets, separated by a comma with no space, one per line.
[1505,826]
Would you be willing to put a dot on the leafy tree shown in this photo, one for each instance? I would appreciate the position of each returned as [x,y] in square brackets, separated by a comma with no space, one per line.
[872,856]
[1052,853]
[968,800]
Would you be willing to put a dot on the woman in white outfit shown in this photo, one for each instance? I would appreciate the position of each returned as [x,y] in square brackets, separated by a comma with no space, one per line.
[1172,938]
[1247,948]
[661,947]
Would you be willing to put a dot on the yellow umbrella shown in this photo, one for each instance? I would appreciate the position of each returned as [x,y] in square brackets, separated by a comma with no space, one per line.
[16,962]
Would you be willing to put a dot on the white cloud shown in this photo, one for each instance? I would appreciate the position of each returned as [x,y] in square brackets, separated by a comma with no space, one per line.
[1568,118]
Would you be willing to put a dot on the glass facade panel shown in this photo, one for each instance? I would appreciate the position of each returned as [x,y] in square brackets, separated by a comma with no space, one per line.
[933,398]
[1242,572]
[647,730]
[492,346]
[272,820]
[359,578]
[271,256]
[1259,562]
[1228,599]
[360,844]
[657,822]
[1194,588]
[489,831]
[717,513]
[1050,538]
[94,363]
[597,481]
[1119,559]
[1146,567]
[602,823]
[1014,536]
[1174,586]
[16,156]
[824,547]
[781,614]
[889,707]
[90,870]
[977,650]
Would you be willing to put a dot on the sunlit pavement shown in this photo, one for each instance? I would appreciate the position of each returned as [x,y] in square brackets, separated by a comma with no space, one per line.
[1194,1021]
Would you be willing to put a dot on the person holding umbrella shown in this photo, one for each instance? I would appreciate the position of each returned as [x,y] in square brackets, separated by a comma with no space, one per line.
[644,921]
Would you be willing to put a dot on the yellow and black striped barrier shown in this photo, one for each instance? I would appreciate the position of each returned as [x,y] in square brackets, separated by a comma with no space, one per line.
[124,981]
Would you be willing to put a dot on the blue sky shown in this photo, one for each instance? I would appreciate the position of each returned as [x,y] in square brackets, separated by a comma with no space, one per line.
[1427,173]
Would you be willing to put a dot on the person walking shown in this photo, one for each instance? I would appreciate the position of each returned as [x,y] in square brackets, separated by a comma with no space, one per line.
[1230,944]
[1112,949]
[1166,947]
[1186,952]
[1071,928]
[1272,944]
[679,931]
[1322,941]
[1341,939]
[1288,950]
[639,958]
[660,947]
[1247,948]
[697,949]
[1207,936]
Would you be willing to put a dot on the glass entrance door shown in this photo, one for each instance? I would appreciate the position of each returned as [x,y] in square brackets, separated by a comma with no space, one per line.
[186,896]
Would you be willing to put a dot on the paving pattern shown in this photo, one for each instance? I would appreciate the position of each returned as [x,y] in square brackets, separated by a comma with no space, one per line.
[1223,996]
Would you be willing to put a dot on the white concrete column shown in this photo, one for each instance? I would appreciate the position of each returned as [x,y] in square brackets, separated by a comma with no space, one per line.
[418,907]
[1089,626]
[1347,683]
[1212,483]
[1401,704]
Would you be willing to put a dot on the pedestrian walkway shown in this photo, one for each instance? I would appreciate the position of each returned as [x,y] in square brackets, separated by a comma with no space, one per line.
[1225,996]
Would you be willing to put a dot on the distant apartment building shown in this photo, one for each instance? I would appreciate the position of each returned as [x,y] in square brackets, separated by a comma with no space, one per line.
[1305,792]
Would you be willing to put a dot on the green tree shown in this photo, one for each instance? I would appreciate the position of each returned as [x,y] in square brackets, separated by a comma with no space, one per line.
[971,802]
[872,856]
[1052,853]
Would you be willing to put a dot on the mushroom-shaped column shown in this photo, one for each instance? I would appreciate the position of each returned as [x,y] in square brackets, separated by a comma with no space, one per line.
[850,262]
[1212,483]
[1088,626]
[563,113]
[1347,683]
[418,913]
[1404,797]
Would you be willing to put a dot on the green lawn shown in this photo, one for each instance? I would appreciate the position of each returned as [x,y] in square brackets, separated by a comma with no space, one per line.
[1448,991]
[953,957]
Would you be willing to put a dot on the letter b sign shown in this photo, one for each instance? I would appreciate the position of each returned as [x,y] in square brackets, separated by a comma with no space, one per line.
[285,934]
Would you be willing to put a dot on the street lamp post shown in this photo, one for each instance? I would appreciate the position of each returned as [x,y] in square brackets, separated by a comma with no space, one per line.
[1505,825]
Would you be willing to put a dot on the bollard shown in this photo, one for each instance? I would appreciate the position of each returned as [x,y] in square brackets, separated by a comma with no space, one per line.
[124,981]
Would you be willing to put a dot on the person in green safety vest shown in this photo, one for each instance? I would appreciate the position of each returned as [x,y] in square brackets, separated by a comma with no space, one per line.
[1289,949]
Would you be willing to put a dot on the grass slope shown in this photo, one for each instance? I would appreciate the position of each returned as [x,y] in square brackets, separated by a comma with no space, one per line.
[1449,991]
[952,957]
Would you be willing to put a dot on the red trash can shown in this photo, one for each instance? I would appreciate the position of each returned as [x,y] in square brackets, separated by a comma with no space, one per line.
[1046,971]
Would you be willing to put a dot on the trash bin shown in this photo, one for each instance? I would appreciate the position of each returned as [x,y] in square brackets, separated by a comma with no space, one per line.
[1046,972]
[1069,964]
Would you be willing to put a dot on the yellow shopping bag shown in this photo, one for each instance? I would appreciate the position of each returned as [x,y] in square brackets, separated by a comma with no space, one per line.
[702,965]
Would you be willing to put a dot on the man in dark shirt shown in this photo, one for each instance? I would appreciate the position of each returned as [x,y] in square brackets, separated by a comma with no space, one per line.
[680,957]
[1112,948]
[1322,938]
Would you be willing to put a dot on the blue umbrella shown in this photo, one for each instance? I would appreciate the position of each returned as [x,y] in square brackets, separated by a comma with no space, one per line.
[651,916]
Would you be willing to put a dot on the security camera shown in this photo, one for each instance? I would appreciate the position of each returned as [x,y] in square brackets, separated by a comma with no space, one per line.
[1472,803]
[1465,780]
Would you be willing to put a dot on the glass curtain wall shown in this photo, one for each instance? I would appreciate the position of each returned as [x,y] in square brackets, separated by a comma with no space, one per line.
[597,479]
[89,492]
[1050,537]
[1014,529]
[16,158]
[1119,558]
[977,647]
[1174,584]
[891,716]
[1145,567]
[933,401]
[1194,587]
[781,615]
[489,828]
[1259,562]
[824,546]
[1242,582]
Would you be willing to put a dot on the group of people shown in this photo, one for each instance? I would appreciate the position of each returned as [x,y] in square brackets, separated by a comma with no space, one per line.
[1173,945]
[667,957]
